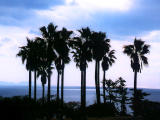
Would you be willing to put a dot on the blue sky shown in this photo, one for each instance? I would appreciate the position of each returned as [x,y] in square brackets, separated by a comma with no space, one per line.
[122,20]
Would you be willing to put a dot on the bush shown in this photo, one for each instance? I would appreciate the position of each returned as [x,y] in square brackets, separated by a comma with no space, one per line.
[101,110]
[151,110]
[22,108]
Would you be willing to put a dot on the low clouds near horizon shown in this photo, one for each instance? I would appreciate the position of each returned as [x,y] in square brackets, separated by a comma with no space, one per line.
[122,20]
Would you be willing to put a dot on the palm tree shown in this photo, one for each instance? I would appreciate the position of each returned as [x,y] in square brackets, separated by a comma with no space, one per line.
[137,53]
[107,61]
[35,54]
[100,46]
[42,63]
[62,48]
[25,55]
[29,54]
[43,73]
[82,55]
[48,35]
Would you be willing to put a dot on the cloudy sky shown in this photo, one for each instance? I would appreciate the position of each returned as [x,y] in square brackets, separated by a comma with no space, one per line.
[122,20]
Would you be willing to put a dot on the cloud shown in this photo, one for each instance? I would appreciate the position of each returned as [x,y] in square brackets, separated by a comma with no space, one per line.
[75,12]
[101,5]
[15,13]
[122,20]
[152,36]
[11,38]
[118,17]
[29,4]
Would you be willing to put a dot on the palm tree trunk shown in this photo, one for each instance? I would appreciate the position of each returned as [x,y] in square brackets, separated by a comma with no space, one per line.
[81,88]
[98,82]
[104,93]
[85,88]
[49,86]
[135,81]
[58,85]
[62,84]
[35,85]
[135,94]
[30,83]
[43,91]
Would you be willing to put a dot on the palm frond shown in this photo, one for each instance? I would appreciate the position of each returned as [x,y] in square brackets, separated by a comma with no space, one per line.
[128,49]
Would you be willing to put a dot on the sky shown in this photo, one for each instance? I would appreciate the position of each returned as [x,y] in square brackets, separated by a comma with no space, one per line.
[122,20]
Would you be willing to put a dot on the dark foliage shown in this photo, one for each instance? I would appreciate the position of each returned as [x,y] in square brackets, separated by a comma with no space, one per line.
[23,108]
[137,103]
[151,110]
[102,110]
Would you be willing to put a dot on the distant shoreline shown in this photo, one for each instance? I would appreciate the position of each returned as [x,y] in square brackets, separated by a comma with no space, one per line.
[70,87]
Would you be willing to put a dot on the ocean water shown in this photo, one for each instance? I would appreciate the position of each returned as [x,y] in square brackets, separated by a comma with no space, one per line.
[70,93]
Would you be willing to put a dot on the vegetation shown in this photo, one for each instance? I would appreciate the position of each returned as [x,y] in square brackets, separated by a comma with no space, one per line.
[117,94]
[137,53]
[82,54]
[108,60]
[52,50]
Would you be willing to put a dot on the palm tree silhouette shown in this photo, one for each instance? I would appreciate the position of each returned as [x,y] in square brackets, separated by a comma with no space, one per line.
[107,61]
[24,53]
[48,35]
[82,54]
[29,54]
[137,53]
[34,53]
[62,48]
[100,46]
[42,60]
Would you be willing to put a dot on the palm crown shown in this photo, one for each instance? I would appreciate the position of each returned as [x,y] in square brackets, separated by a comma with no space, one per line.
[81,48]
[137,53]
[100,45]
[108,60]
[61,44]
[48,34]
[29,54]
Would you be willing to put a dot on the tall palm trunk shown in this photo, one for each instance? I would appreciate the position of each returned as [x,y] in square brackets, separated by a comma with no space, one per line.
[30,83]
[62,84]
[82,88]
[58,85]
[98,82]
[104,92]
[49,85]
[135,81]
[43,92]
[85,88]
[135,94]
[35,85]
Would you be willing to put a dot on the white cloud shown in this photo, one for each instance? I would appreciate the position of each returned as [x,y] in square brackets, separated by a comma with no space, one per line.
[153,36]
[105,5]
[11,38]
[82,10]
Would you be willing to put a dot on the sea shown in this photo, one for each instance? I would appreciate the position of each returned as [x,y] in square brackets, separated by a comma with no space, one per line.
[70,93]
